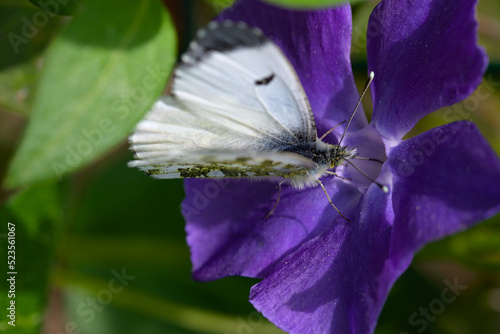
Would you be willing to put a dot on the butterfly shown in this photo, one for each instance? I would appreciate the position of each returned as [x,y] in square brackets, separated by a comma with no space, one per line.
[236,110]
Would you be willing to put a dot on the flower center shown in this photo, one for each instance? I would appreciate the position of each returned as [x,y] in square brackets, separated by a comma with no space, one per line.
[371,155]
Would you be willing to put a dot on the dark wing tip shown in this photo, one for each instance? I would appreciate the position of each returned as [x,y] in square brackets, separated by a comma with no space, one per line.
[222,37]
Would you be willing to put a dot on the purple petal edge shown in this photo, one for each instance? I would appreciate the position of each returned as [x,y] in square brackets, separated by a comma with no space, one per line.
[227,231]
[445,180]
[425,56]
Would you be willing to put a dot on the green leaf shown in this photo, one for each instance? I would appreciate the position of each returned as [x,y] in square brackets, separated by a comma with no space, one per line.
[29,224]
[101,75]
[66,7]
[27,32]
[219,5]
[309,3]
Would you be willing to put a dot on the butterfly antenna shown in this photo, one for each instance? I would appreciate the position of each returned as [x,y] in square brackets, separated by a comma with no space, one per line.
[367,159]
[380,185]
[370,79]
[327,132]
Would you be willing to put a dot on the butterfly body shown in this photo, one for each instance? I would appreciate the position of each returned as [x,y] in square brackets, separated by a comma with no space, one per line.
[236,110]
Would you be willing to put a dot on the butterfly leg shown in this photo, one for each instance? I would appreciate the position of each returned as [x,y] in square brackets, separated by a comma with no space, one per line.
[337,175]
[329,200]
[269,214]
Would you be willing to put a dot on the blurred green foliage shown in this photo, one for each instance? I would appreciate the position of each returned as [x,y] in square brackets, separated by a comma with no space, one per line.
[67,7]
[310,3]
[36,213]
[96,72]
[79,227]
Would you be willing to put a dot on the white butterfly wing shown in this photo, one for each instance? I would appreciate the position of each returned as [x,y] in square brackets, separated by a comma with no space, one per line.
[166,145]
[223,164]
[235,71]
[235,97]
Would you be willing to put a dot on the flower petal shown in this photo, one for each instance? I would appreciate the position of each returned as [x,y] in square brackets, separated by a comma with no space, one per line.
[228,233]
[339,281]
[333,283]
[317,43]
[425,56]
[445,180]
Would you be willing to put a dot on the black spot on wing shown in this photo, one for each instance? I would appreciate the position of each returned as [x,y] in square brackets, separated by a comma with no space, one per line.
[265,81]
[222,37]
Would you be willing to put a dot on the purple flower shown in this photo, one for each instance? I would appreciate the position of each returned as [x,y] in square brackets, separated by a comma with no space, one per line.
[320,273]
